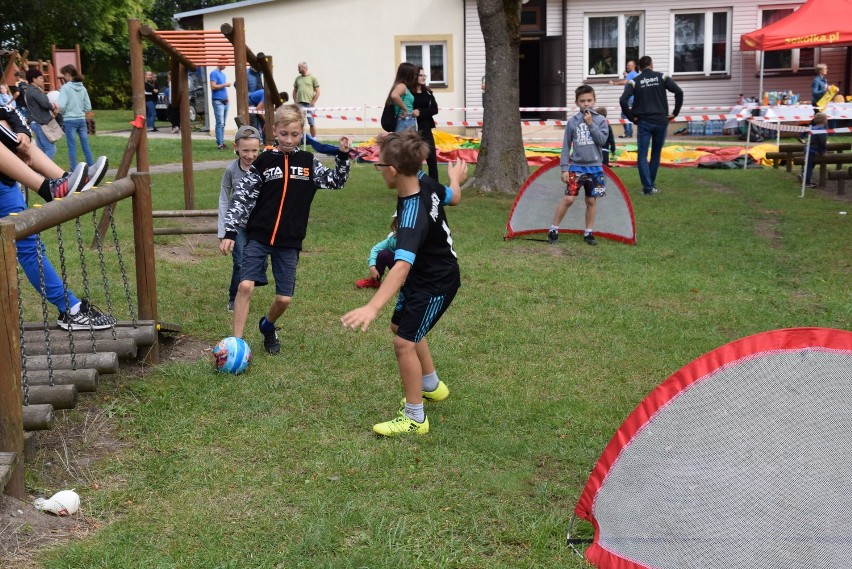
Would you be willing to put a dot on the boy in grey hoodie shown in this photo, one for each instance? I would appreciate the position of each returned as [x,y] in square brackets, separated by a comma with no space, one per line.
[581,162]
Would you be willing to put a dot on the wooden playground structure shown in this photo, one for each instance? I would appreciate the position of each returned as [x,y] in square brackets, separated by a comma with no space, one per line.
[42,367]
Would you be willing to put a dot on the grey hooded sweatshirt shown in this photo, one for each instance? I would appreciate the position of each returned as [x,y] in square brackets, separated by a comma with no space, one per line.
[584,141]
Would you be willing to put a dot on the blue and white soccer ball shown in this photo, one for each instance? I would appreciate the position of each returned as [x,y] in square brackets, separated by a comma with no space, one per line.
[232,355]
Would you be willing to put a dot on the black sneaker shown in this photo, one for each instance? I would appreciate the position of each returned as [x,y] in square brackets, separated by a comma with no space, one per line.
[97,172]
[553,236]
[650,191]
[88,318]
[69,183]
[270,339]
[230,306]
[810,185]
[589,239]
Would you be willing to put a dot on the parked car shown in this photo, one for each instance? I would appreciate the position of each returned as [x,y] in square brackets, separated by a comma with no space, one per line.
[197,97]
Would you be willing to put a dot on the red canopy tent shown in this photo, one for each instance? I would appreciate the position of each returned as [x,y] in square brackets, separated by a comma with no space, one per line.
[817,23]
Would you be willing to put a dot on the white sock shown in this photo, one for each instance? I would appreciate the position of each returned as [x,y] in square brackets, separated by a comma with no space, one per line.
[554,228]
[587,231]
[430,381]
[415,412]
[75,309]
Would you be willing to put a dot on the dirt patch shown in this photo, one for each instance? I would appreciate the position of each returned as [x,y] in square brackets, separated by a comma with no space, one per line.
[767,227]
[187,248]
[63,459]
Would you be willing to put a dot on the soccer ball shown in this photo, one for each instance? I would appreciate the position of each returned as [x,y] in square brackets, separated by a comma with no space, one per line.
[232,355]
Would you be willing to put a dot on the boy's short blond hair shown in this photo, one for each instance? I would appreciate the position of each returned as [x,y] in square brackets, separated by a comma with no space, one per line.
[290,113]
[820,118]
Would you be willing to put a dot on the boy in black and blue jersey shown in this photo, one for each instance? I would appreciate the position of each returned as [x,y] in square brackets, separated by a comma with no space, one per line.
[426,274]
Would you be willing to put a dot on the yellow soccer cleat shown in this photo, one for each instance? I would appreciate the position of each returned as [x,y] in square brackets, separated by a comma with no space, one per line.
[439,394]
[401,425]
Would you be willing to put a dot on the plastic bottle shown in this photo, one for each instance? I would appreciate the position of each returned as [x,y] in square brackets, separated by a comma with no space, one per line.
[765,101]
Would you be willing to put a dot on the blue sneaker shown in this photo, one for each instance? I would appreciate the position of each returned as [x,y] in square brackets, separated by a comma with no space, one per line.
[270,336]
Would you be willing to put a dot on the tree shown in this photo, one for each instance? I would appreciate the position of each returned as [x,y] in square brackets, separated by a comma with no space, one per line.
[502,165]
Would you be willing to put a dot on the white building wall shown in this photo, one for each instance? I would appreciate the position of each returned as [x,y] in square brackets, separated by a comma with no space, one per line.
[743,77]
[474,60]
[351,47]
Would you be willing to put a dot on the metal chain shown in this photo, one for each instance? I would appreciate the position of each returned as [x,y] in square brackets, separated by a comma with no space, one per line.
[24,382]
[85,274]
[66,291]
[123,269]
[104,277]
[43,294]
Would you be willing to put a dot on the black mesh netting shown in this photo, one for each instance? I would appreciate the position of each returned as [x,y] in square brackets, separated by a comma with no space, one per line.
[749,467]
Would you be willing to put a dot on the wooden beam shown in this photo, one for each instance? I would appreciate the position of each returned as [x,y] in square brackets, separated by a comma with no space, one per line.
[143,239]
[240,79]
[151,35]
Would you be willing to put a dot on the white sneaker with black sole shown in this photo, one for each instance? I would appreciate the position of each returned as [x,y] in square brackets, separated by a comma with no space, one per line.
[88,318]
[97,172]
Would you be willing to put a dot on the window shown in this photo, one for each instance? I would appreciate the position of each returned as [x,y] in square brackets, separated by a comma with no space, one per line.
[432,56]
[786,59]
[702,42]
[612,41]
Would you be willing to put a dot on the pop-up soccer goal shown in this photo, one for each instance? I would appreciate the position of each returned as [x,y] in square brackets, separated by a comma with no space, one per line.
[537,199]
[740,459]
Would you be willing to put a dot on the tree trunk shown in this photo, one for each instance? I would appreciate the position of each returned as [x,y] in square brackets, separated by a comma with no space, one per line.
[502,165]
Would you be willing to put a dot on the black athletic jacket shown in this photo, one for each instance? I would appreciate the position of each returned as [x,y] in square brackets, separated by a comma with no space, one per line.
[273,200]
[650,102]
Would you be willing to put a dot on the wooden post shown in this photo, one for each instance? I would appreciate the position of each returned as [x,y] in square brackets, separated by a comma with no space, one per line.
[186,141]
[11,395]
[137,81]
[123,169]
[143,239]
[272,97]
[240,79]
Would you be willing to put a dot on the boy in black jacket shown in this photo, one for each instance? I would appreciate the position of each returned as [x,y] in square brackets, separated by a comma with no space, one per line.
[273,201]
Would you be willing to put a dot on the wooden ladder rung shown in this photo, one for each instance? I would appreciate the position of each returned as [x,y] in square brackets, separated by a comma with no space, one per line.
[8,463]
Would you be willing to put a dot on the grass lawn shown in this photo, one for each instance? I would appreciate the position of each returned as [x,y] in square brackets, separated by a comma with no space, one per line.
[546,350]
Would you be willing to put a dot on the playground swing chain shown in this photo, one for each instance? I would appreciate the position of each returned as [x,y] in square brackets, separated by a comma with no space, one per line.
[86,290]
[130,307]
[104,277]
[61,245]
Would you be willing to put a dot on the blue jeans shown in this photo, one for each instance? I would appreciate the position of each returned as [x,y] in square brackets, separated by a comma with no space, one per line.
[809,171]
[49,148]
[220,111]
[11,201]
[628,126]
[405,123]
[237,256]
[150,113]
[73,129]
[653,135]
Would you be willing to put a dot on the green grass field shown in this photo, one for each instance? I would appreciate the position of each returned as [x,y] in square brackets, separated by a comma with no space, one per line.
[546,350]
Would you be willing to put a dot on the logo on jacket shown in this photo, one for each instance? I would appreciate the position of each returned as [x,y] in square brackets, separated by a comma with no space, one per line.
[273,173]
[300,173]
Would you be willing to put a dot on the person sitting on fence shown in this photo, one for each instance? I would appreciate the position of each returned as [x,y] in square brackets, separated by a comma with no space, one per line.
[74,313]
[608,148]
[819,142]
[16,137]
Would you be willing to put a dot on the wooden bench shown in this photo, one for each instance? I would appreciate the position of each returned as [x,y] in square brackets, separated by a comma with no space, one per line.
[841,176]
[791,151]
[824,161]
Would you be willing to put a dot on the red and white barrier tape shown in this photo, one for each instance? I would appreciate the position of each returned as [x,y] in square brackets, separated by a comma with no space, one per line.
[683,118]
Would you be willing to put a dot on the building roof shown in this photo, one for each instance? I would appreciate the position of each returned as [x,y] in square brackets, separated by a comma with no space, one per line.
[221,8]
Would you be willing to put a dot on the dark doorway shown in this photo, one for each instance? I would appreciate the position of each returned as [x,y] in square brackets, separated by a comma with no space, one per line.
[529,80]
[541,77]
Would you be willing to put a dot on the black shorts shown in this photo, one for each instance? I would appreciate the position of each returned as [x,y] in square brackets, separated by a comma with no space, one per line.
[417,311]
